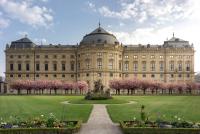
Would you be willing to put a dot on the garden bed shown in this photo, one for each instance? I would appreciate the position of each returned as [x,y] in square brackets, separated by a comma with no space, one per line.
[137,127]
[62,127]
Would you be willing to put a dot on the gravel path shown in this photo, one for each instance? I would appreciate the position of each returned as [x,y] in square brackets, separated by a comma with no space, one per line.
[100,122]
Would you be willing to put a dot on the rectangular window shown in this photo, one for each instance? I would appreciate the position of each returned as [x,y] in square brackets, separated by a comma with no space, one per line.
[99,54]
[161,66]
[161,56]
[120,66]
[37,67]
[99,64]
[11,67]
[27,56]
[46,56]
[63,56]
[37,56]
[111,74]
[111,55]
[135,56]
[19,56]
[144,66]
[88,65]
[144,75]
[63,75]
[27,67]
[135,66]
[126,66]
[63,67]
[11,56]
[110,65]
[99,74]
[126,56]
[153,66]
[152,75]
[19,67]
[152,56]
[27,75]
[171,56]
[55,56]
[171,65]
[46,67]
[179,66]
[79,65]
[55,67]
[187,66]
[72,66]
[72,56]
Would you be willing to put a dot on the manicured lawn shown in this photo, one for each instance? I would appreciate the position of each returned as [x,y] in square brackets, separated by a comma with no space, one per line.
[185,107]
[26,107]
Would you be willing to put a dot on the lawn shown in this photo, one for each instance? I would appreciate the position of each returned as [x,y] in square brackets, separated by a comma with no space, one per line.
[25,107]
[165,107]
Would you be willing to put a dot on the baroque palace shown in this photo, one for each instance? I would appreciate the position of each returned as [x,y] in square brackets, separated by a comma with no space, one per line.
[100,56]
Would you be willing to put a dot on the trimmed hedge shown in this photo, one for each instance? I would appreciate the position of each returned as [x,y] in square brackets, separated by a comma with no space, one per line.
[42,130]
[136,130]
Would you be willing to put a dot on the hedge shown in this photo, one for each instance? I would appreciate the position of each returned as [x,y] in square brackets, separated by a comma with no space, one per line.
[42,130]
[136,130]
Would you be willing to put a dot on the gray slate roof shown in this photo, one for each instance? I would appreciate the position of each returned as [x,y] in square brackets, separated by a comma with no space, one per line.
[22,43]
[99,36]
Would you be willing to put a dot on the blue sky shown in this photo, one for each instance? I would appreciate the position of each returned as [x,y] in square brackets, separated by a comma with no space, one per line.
[67,21]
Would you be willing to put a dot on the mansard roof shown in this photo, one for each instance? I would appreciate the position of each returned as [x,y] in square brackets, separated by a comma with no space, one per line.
[22,43]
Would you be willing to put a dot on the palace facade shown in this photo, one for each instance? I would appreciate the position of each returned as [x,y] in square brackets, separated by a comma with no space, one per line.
[100,56]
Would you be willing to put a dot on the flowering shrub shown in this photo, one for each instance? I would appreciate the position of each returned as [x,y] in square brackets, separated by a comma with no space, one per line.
[134,85]
[41,85]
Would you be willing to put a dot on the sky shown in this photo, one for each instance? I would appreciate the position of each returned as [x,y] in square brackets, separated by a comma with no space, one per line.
[131,21]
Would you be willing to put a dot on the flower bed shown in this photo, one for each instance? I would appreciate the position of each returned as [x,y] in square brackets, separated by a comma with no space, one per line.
[39,125]
[63,127]
[158,127]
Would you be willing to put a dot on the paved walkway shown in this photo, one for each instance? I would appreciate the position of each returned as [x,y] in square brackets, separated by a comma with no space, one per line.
[99,122]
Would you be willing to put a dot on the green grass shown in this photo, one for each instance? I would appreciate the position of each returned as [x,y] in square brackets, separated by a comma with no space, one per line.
[26,107]
[185,107]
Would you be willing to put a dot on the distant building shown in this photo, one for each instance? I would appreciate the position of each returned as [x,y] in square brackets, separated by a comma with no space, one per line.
[3,86]
[100,56]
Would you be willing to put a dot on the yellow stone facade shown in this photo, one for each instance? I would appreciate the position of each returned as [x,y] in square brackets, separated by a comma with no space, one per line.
[100,56]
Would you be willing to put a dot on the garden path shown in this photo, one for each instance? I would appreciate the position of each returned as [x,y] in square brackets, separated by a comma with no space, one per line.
[99,122]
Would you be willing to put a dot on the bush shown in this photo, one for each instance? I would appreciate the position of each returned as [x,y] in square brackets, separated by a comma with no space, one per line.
[98,93]
[69,130]
[147,130]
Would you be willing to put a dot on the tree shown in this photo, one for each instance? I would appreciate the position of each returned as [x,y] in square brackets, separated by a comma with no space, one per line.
[82,85]
[67,86]
[190,86]
[115,84]
[144,85]
[17,85]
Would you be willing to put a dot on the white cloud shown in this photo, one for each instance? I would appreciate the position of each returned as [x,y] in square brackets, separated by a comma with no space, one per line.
[156,10]
[27,13]
[91,5]
[121,24]
[3,22]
